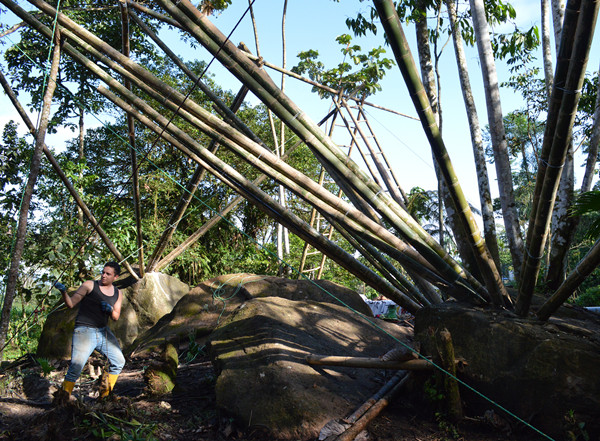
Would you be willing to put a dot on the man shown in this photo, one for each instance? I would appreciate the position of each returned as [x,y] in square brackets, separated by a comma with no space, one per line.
[97,300]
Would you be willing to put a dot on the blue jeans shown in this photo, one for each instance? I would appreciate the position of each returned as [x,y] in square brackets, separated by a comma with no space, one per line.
[85,340]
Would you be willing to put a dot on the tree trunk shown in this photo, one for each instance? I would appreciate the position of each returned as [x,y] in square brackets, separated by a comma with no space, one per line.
[21,233]
[483,182]
[499,145]
[546,47]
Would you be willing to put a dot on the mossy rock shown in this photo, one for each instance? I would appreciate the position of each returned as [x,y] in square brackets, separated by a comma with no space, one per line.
[259,353]
[160,376]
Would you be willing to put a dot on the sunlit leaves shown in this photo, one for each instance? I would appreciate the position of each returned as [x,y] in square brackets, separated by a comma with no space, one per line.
[365,81]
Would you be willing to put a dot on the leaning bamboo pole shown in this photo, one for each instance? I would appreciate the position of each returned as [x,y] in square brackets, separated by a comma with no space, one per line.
[583,269]
[369,362]
[393,29]
[560,140]
[263,87]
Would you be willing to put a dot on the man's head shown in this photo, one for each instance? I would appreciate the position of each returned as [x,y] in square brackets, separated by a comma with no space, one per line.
[115,266]
[109,273]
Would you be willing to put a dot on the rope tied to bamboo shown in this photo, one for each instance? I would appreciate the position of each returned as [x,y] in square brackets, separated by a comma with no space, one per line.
[547,164]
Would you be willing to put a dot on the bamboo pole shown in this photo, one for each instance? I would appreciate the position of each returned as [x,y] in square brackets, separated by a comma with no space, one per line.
[131,135]
[583,269]
[446,352]
[368,362]
[69,186]
[389,385]
[393,29]
[324,87]
[352,432]
[561,137]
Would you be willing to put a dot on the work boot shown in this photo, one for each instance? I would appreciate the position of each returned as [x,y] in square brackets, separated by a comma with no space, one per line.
[63,395]
[107,384]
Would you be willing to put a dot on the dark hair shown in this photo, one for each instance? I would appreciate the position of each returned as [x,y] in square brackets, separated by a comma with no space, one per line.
[115,266]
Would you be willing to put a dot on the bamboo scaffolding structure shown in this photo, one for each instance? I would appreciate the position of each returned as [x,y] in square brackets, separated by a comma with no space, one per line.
[263,87]
[393,29]
[150,84]
[368,362]
[264,202]
[131,135]
[67,183]
[565,106]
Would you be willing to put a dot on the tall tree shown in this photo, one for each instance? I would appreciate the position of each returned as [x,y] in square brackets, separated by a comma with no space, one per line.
[494,111]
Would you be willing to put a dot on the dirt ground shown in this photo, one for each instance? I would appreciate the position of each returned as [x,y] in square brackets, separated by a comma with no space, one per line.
[187,413]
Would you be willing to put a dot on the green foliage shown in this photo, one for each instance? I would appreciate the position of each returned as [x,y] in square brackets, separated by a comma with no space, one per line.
[363,82]
[45,365]
[105,426]
[589,297]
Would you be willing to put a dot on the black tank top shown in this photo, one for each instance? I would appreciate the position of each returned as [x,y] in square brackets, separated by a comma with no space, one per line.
[90,313]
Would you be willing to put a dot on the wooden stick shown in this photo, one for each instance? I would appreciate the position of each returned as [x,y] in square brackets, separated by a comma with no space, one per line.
[368,362]
[446,352]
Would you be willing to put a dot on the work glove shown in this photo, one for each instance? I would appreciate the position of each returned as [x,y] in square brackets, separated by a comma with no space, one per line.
[60,286]
[106,308]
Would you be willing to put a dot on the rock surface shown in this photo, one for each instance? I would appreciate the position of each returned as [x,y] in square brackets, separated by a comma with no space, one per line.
[144,303]
[545,373]
[198,313]
[260,353]
[259,331]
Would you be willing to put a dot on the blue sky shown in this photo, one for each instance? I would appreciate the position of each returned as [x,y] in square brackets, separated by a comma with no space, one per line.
[314,24]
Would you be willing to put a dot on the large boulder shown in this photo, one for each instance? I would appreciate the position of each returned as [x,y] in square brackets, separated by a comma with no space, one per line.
[544,373]
[260,351]
[144,303]
[198,313]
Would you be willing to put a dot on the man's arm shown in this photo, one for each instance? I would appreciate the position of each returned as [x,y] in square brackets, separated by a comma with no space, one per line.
[82,291]
[116,310]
